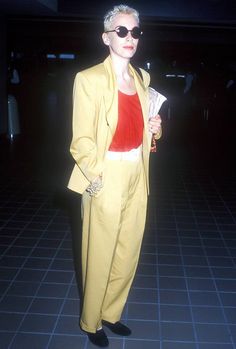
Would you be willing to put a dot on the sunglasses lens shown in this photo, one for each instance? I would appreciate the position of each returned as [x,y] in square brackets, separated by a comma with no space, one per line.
[136,32]
[122,32]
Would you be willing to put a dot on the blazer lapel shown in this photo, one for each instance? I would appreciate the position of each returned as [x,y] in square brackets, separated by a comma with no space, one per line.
[110,96]
[143,98]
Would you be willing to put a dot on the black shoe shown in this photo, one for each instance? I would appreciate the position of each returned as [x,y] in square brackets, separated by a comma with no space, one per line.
[117,328]
[99,338]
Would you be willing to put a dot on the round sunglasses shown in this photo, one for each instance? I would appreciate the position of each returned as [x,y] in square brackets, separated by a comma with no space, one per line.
[122,32]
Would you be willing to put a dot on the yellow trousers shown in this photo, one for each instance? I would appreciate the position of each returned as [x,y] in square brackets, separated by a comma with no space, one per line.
[113,226]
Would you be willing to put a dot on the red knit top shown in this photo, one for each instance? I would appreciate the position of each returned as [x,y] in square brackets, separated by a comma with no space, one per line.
[129,129]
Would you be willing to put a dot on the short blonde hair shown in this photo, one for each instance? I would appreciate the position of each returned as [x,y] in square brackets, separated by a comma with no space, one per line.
[117,10]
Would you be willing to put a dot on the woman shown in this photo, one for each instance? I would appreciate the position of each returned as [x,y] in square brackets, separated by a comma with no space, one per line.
[111,145]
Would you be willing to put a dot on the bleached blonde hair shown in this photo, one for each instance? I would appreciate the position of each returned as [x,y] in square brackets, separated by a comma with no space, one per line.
[117,10]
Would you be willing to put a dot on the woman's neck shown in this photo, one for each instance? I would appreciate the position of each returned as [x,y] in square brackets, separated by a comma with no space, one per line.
[121,67]
[125,80]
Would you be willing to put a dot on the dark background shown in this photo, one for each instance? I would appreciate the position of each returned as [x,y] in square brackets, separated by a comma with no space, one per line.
[180,37]
[184,292]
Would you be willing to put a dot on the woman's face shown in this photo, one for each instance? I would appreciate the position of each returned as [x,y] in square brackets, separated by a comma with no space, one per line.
[122,47]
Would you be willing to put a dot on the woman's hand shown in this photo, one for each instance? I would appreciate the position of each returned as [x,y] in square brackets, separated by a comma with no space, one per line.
[154,124]
[95,186]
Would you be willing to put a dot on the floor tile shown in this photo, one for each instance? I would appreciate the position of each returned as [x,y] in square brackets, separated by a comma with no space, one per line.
[52,290]
[27,340]
[226,285]
[212,333]
[201,284]
[6,338]
[169,270]
[143,295]
[16,304]
[67,341]
[38,323]
[176,331]
[215,346]
[30,275]
[230,314]
[175,313]
[10,321]
[63,277]
[37,263]
[116,343]
[71,307]
[140,344]
[8,273]
[49,306]
[148,330]
[68,325]
[170,283]
[204,298]
[12,262]
[232,329]
[178,345]
[208,315]
[142,311]
[174,297]
[22,288]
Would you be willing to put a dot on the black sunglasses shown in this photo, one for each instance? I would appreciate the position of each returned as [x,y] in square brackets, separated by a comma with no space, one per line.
[122,32]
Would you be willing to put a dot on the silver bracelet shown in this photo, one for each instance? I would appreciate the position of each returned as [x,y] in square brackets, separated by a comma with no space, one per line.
[95,186]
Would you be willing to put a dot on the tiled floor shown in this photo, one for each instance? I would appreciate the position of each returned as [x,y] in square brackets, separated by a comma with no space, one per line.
[184,293]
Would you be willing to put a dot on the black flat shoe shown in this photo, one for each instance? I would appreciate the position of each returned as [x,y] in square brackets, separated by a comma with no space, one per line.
[117,328]
[99,338]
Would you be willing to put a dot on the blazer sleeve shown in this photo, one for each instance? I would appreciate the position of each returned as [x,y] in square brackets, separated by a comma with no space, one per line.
[83,146]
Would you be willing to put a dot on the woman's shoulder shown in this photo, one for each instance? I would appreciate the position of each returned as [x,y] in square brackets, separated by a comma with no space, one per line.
[92,72]
[93,78]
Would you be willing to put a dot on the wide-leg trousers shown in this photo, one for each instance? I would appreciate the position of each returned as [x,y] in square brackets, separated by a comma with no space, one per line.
[113,226]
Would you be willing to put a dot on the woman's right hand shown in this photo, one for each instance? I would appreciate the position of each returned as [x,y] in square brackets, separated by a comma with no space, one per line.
[95,186]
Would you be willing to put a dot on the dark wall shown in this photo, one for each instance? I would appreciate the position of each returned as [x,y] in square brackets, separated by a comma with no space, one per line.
[203,10]
[199,118]
[3,74]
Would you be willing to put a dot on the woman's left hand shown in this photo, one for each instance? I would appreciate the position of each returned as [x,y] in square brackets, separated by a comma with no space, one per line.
[154,124]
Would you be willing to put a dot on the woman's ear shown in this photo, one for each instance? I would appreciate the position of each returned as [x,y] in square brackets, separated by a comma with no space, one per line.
[105,39]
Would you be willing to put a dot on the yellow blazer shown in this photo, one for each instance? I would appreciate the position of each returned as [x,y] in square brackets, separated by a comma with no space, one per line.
[95,116]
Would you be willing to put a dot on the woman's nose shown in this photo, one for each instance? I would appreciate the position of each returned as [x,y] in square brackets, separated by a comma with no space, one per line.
[129,36]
